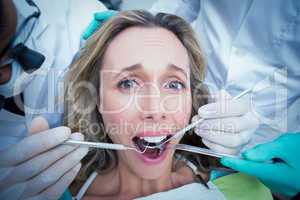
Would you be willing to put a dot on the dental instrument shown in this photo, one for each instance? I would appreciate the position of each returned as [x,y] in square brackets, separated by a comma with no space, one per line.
[200,150]
[102,145]
[183,147]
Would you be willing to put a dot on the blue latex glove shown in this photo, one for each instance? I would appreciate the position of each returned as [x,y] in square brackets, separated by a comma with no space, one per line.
[276,164]
[99,19]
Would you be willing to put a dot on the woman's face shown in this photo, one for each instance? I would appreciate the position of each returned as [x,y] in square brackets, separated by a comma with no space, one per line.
[145,96]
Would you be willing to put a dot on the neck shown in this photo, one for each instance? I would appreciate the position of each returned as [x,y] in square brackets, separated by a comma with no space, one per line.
[133,186]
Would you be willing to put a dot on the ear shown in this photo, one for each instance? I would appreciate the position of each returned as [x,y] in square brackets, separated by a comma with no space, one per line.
[38,124]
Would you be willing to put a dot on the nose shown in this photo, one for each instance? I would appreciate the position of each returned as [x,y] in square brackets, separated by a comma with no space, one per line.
[149,105]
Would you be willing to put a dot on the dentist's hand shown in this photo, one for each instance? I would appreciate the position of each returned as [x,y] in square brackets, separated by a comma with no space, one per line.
[96,23]
[282,175]
[228,124]
[39,167]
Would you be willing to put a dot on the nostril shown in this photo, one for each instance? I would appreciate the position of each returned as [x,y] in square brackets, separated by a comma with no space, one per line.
[149,117]
[156,118]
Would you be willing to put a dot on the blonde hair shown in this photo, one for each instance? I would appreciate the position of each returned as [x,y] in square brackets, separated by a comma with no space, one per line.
[86,68]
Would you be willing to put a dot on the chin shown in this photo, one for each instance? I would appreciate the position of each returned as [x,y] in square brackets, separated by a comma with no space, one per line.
[150,163]
[150,168]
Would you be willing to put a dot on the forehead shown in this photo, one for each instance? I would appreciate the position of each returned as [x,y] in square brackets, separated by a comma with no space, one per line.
[148,46]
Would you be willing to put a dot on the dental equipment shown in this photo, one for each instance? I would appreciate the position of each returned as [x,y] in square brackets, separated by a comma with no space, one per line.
[102,145]
[203,151]
[182,147]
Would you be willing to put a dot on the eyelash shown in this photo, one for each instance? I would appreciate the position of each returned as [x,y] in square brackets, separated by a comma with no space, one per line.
[121,84]
[177,82]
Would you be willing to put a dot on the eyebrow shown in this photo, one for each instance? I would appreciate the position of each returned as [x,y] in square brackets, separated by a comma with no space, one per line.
[176,68]
[139,66]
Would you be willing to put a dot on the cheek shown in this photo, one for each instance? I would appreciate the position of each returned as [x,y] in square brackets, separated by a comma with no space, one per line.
[113,127]
[173,103]
[118,116]
[112,101]
[180,107]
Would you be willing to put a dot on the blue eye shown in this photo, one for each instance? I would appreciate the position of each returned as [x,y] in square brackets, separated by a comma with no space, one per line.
[176,85]
[127,84]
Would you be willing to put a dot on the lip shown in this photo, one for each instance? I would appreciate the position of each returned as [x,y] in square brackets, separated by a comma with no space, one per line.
[145,159]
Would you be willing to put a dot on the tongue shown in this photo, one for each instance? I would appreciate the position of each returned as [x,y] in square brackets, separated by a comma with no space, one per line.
[152,153]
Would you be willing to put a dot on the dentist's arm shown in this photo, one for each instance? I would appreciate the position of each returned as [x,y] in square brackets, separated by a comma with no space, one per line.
[276,164]
[39,167]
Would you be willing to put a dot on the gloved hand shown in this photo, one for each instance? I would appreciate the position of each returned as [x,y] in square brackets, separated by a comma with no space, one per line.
[99,19]
[276,164]
[228,124]
[38,167]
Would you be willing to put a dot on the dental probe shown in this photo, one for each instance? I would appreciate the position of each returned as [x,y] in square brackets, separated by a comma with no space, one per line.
[199,150]
[102,145]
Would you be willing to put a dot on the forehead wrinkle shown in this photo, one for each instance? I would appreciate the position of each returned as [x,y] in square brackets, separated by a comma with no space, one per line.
[156,37]
[154,40]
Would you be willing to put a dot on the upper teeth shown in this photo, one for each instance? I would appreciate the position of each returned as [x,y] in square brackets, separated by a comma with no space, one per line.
[154,139]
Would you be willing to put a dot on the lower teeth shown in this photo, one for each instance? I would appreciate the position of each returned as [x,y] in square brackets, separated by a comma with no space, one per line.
[149,152]
[152,153]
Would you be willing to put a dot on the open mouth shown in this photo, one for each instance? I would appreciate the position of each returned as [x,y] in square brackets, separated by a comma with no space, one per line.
[142,143]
